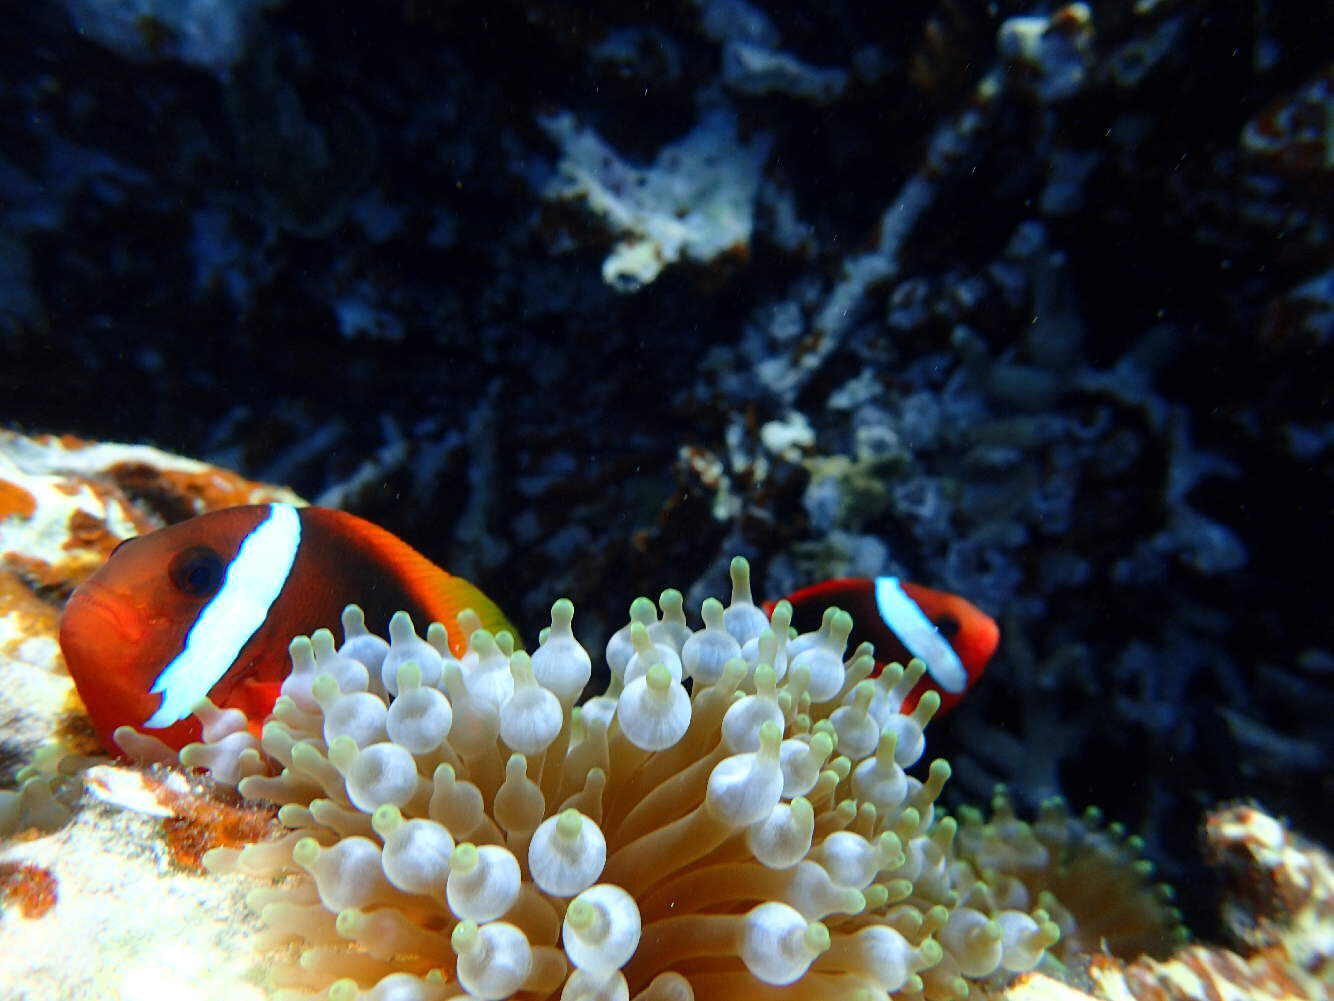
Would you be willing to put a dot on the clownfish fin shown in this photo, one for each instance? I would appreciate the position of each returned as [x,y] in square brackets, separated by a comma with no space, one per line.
[439,592]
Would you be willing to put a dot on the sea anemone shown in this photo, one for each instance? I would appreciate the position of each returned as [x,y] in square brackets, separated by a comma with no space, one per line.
[732,818]
[1089,876]
[48,790]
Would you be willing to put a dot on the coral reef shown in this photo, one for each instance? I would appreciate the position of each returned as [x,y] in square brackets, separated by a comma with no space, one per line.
[1283,896]
[121,845]
[123,920]
[695,202]
[1031,302]
[205,33]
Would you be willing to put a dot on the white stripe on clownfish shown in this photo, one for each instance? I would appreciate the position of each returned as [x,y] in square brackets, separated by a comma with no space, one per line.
[919,634]
[254,579]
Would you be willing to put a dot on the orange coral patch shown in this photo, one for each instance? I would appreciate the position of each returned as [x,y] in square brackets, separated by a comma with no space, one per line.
[37,618]
[14,500]
[177,495]
[211,821]
[43,577]
[68,442]
[88,532]
[30,888]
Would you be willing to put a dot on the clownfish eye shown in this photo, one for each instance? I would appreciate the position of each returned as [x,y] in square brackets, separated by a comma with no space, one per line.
[948,626]
[196,571]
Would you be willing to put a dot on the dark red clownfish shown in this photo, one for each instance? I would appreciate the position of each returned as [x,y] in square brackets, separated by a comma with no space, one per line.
[902,620]
[208,607]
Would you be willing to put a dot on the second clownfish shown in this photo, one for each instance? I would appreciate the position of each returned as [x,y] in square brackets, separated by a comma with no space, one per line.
[209,606]
[949,634]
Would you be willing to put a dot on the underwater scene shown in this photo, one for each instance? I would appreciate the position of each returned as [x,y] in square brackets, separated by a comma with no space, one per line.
[712,500]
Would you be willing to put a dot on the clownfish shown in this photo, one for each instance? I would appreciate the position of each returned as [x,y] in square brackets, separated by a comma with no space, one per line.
[208,607]
[950,635]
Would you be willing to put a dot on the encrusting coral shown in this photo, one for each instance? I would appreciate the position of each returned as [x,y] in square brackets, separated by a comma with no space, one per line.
[731,819]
